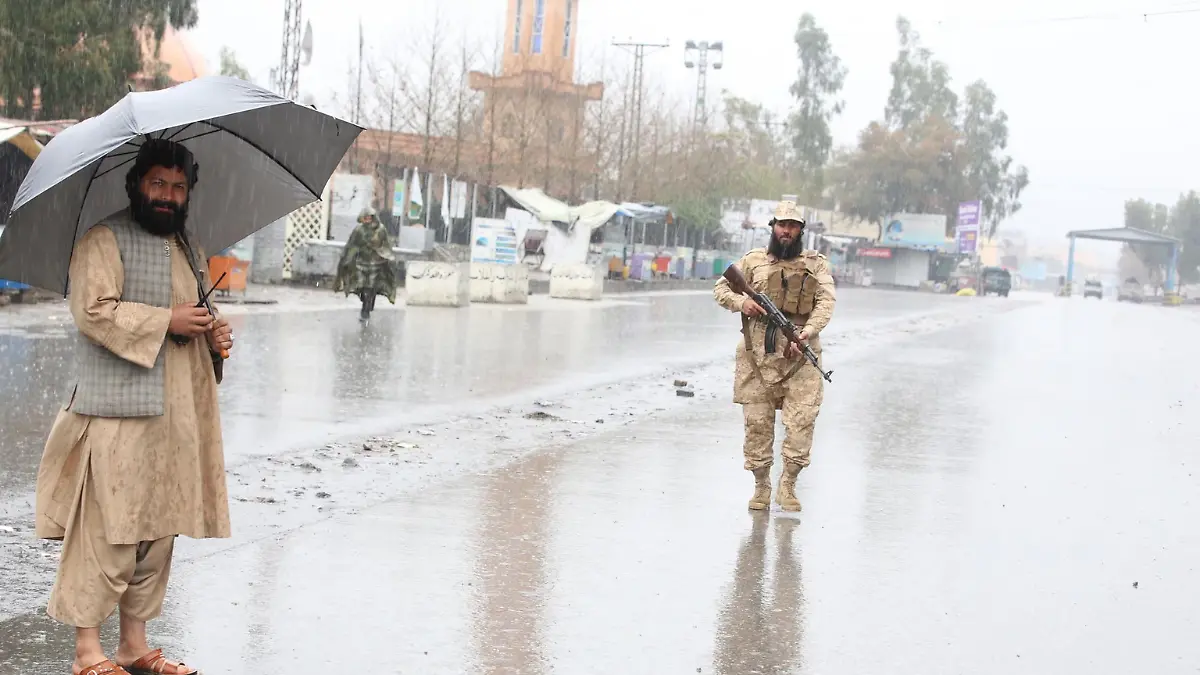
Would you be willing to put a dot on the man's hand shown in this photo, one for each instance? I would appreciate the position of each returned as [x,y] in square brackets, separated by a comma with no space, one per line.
[220,338]
[189,321]
[751,308]
[793,350]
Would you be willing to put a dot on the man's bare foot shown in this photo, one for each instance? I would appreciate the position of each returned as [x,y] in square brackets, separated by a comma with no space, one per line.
[89,655]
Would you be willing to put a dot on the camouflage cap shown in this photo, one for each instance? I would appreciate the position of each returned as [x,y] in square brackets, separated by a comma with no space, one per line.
[787,210]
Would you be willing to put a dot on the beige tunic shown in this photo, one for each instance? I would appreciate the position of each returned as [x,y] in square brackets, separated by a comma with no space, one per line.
[152,477]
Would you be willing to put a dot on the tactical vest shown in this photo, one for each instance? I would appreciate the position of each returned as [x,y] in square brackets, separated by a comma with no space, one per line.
[793,288]
[106,384]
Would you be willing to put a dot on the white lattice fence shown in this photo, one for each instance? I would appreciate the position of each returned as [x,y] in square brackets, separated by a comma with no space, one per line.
[309,222]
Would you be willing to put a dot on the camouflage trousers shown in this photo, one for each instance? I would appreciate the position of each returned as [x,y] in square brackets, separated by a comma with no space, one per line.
[799,400]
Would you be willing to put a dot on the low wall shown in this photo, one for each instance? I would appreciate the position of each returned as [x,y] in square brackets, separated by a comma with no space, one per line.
[577,282]
[437,284]
[505,284]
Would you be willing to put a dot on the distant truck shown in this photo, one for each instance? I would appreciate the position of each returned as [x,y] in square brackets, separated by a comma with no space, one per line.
[995,280]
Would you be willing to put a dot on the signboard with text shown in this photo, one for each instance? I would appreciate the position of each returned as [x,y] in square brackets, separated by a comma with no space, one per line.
[875,252]
[918,230]
[494,241]
[967,239]
[969,214]
[966,231]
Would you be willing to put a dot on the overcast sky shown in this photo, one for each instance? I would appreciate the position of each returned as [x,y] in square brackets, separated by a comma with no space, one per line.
[1100,106]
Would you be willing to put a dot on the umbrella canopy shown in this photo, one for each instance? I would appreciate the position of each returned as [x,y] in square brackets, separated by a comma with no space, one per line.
[261,156]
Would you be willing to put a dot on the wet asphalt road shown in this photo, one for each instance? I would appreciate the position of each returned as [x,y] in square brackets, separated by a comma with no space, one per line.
[982,499]
[301,379]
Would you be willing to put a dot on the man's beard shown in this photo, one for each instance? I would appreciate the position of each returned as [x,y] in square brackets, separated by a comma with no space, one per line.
[156,222]
[781,252]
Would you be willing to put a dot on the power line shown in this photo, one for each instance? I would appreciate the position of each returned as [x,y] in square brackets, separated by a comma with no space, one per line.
[1034,21]
[638,49]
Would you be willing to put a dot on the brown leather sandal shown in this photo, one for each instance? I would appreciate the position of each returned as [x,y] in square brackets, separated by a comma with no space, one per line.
[155,663]
[104,668]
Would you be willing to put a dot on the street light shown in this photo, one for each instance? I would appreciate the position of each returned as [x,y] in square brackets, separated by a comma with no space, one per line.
[695,55]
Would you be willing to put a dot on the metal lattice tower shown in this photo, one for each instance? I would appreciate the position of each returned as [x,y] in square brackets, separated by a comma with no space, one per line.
[701,65]
[639,56]
[288,74]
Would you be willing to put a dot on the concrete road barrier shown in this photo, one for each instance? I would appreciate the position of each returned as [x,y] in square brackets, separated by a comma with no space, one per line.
[577,282]
[504,284]
[438,284]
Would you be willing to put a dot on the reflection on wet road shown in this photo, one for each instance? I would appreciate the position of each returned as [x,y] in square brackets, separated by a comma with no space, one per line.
[300,379]
[982,499]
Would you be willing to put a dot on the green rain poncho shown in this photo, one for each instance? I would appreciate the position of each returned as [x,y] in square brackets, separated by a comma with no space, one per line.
[366,263]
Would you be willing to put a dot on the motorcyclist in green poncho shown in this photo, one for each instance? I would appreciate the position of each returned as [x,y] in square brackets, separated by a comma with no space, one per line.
[366,265]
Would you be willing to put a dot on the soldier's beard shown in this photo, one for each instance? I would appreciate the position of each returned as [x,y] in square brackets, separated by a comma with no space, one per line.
[781,252]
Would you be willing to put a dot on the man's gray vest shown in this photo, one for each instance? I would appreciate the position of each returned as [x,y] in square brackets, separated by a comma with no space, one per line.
[107,385]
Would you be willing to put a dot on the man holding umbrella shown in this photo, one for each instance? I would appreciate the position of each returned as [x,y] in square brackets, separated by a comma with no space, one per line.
[135,458]
[109,214]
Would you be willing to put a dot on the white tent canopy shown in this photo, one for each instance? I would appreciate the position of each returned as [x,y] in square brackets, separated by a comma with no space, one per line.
[567,242]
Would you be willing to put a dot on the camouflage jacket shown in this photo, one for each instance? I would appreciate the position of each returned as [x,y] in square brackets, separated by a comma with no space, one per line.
[803,290]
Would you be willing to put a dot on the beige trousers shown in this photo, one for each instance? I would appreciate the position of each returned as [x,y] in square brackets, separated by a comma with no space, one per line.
[95,577]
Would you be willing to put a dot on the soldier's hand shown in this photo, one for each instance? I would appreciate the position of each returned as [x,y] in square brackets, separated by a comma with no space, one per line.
[751,308]
[793,351]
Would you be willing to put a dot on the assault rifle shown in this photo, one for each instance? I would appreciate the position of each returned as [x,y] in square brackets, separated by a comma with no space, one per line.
[776,319]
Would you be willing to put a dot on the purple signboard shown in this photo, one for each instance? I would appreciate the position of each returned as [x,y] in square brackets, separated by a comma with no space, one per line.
[969,214]
[968,239]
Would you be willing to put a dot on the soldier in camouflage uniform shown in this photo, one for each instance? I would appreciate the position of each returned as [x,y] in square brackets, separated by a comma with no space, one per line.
[800,283]
[366,265]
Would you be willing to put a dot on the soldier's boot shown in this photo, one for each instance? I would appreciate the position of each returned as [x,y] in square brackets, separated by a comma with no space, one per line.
[787,487]
[762,489]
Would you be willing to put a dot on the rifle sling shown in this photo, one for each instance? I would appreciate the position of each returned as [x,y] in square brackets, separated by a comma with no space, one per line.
[754,364]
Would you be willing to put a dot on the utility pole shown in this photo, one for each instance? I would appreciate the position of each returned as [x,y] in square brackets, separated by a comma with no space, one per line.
[638,49]
[695,55]
[288,74]
[358,95]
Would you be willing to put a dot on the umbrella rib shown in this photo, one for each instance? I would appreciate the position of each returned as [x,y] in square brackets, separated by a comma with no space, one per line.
[112,168]
[259,148]
[200,135]
[181,130]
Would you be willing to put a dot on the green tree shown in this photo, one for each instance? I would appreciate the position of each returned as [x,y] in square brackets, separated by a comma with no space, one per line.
[892,171]
[1149,217]
[1184,224]
[989,175]
[230,67]
[927,155]
[920,83]
[1143,215]
[80,54]
[818,83]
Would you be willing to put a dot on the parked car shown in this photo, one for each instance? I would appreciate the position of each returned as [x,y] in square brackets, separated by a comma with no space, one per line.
[1130,291]
[1092,288]
[996,280]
